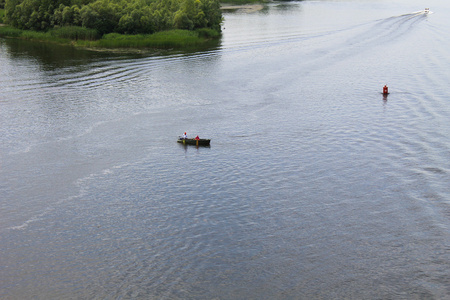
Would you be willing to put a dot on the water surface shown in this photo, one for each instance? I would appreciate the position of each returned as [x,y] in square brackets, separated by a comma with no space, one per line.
[315,185]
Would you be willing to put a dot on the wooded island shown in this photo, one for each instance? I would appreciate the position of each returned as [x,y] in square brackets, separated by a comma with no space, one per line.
[126,21]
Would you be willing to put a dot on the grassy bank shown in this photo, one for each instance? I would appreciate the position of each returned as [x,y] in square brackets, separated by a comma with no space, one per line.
[161,40]
[57,36]
[82,37]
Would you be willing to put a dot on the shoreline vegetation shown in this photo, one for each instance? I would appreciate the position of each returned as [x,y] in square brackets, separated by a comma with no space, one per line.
[78,36]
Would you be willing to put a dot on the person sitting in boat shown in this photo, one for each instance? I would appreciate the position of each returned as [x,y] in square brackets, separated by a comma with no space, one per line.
[184,136]
[197,138]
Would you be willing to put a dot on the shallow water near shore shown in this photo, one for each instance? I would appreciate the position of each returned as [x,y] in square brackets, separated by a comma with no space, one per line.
[315,186]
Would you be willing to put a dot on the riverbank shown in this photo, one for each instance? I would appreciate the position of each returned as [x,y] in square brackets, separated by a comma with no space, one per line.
[171,39]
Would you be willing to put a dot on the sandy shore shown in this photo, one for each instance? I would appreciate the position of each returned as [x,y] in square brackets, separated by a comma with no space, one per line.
[246,8]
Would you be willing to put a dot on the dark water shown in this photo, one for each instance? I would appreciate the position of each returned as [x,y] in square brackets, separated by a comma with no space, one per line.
[314,187]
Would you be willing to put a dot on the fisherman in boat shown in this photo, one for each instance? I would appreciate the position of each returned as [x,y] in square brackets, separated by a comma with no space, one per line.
[197,138]
[184,136]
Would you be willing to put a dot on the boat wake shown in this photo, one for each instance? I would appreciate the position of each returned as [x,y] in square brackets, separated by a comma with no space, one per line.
[392,28]
[341,44]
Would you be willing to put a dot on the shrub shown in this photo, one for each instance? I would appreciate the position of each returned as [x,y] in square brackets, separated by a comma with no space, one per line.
[75,33]
[208,33]
[7,31]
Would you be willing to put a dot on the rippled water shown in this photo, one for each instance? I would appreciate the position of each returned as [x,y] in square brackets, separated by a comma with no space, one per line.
[315,186]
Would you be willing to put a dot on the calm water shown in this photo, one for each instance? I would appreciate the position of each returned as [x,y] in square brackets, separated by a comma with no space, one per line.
[314,187]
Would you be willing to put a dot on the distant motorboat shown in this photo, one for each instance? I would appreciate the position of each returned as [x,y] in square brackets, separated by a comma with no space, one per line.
[427,10]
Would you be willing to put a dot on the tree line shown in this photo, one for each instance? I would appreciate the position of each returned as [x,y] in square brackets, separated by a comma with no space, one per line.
[120,16]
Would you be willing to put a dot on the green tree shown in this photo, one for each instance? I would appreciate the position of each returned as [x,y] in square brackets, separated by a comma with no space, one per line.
[181,21]
[127,24]
[123,16]
[10,12]
[213,14]
[88,17]
[108,16]
[76,15]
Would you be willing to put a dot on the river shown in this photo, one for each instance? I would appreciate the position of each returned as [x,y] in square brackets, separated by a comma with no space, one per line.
[315,186]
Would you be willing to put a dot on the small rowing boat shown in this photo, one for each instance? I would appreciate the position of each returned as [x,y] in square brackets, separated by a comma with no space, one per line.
[195,142]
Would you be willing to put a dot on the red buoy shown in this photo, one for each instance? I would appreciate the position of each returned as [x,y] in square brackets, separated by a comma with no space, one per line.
[385,90]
